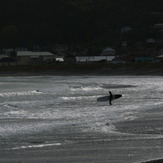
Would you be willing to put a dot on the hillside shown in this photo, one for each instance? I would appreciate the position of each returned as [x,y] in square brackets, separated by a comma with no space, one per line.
[97,22]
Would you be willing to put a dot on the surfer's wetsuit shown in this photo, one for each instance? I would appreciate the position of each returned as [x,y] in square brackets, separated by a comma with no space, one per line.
[110,98]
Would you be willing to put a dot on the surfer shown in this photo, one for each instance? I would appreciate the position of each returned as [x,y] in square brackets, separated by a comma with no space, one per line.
[110,98]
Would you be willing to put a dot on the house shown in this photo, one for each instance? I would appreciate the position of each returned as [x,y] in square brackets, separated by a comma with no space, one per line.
[60,50]
[150,40]
[29,57]
[9,52]
[159,58]
[21,49]
[6,60]
[94,58]
[158,27]
[108,51]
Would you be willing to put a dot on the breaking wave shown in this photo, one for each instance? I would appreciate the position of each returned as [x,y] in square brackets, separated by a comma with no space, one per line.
[25,93]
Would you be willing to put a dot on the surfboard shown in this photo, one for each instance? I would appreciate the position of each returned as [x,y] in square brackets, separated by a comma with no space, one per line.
[106,98]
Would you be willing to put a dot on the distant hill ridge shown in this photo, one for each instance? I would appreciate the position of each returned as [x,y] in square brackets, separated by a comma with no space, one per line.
[26,22]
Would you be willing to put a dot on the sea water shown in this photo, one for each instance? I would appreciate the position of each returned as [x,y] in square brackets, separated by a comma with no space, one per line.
[50,111]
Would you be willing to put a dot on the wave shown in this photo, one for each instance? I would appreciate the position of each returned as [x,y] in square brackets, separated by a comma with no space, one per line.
[85,88]
[112,86]
[100,87]
[9,105]
[37,145]
[25,93]
[78,97]
[15,114]
[129,116]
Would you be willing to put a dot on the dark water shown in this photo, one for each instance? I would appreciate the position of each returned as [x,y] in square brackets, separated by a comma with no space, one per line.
[58,119]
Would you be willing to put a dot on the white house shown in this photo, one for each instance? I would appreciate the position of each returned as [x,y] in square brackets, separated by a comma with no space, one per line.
[59,59]
[94,58]
[108,51]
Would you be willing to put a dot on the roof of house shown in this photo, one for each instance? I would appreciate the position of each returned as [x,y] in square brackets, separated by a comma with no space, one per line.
[160,56]
[30,53]
[158,25]
[3,56]
[108,49]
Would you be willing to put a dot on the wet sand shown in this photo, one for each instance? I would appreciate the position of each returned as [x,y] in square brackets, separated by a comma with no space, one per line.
[149,123]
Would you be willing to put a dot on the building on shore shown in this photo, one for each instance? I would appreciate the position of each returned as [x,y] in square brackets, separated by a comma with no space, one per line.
[29,57]
[94,58]
[7,60]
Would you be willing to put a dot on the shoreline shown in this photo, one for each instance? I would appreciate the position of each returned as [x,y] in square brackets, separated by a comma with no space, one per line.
[90,69]
[81,73]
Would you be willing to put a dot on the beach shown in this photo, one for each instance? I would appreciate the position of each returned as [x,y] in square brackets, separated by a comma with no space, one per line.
[91,69]
[58,119]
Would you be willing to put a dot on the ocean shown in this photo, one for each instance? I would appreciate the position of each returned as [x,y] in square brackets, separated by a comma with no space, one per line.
[58,119]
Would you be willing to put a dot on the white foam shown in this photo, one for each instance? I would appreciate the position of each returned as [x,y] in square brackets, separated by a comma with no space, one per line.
[78,97]
[25,93]
[100,127]
[37,146]
[16,113]
[129,116]
[86,88]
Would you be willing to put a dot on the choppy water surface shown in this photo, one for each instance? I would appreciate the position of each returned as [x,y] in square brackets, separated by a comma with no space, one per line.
[45,111]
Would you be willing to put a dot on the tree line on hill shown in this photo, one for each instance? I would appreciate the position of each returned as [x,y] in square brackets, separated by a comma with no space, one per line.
[82,22]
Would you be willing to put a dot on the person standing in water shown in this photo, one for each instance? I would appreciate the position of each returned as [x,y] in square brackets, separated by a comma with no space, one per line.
[110,98]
